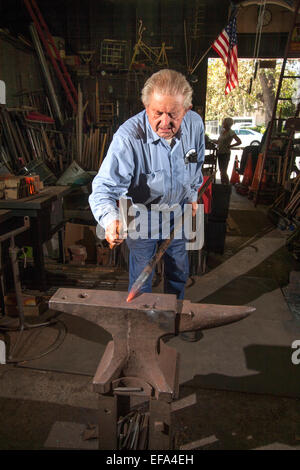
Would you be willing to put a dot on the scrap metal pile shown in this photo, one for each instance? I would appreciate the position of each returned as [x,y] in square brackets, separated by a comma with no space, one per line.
[133,430]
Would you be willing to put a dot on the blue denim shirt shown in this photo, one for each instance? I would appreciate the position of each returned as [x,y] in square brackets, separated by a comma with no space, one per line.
[142,166]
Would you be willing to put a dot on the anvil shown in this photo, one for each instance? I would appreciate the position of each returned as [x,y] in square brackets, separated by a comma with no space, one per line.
[137,359]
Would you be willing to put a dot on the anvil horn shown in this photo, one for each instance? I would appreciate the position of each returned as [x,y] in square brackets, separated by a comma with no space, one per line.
[204,316]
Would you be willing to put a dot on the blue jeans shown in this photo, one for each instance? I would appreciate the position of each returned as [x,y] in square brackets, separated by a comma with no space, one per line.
[176,264]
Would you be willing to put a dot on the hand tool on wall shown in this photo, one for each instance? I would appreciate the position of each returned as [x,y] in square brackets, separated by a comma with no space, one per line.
[162,249]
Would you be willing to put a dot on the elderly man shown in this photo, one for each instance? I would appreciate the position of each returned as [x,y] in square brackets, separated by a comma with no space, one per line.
[155,158]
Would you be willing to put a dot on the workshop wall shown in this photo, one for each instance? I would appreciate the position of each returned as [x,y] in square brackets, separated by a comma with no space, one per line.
[276,19]
[20,72]
[90,23]
[86,25]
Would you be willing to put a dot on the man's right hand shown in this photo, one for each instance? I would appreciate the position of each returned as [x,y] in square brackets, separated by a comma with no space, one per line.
[112,233]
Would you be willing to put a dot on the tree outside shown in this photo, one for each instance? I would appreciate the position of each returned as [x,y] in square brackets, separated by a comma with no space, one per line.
[260,101]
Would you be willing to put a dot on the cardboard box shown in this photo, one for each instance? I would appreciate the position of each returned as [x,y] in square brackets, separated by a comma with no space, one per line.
[103,256]
[77,254]
[12,193]
[28,299]
[80,234]
[72,60]
[33,305]
[12,182]
[2,189]
[29,310]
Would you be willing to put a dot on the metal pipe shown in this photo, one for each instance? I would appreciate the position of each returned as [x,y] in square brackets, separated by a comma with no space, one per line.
[47,76]
[13,252]
[58,57]
[8,135]
[53,61]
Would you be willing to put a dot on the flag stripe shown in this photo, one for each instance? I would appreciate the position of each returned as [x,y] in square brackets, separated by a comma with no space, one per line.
[226,47]
[221,46]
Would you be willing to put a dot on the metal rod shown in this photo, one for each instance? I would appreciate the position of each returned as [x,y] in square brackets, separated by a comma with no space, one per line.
[200,60]
[53,61]
[50,38]
[47,76]
[8,135]
[13,252]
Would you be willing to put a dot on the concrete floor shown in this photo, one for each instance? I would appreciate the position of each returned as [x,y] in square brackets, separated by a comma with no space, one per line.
[238,387]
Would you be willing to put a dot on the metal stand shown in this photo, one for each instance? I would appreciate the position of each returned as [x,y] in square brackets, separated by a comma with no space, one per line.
[13,253]
[154,433]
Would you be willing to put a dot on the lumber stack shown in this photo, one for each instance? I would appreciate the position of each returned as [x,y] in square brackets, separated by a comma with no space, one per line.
[23,140]
[90,140]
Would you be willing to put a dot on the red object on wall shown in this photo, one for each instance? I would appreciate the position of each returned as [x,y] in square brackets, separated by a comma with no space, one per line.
[38,117]
[207,196]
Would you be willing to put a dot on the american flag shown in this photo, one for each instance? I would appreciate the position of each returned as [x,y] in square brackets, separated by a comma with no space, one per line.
[226,46]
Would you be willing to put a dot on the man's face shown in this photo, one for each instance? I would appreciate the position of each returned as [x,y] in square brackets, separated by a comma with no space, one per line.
[165,114]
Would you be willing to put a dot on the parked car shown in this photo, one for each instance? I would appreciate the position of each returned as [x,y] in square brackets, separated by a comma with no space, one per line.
[248,136]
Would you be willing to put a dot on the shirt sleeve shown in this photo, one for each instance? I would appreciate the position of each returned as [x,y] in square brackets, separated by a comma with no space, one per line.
[112,181]
[197,180]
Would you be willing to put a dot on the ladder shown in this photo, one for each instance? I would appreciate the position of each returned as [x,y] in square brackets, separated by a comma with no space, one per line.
[268,155]
[198,20]
[49,44]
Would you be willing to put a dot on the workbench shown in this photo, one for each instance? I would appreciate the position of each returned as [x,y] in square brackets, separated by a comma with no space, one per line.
[45,211]
[5,215]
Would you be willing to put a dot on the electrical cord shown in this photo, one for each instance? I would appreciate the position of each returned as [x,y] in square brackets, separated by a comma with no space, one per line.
[62,331]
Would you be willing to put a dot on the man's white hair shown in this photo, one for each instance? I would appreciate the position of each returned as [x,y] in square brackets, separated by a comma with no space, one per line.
[168,82]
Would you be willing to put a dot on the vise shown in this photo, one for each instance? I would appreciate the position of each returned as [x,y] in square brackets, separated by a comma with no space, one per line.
[137,362]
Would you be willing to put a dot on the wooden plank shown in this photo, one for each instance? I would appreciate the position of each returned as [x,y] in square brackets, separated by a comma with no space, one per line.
[80,116]
[102,150]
